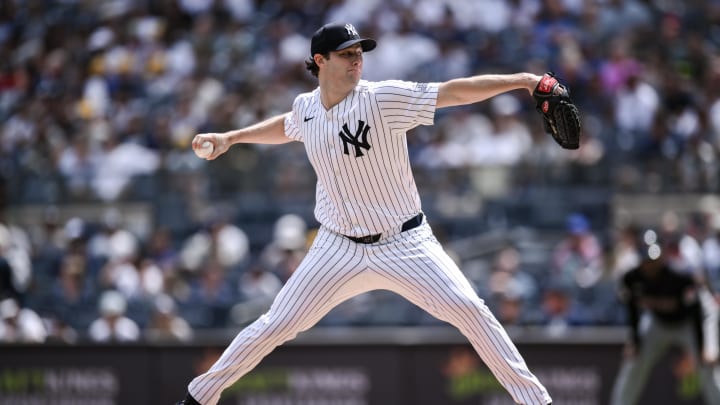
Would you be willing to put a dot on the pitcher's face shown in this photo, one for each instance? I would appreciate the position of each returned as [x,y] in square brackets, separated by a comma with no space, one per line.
[345,66]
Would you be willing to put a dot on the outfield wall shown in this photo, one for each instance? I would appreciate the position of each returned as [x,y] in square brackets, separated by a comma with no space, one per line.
[330,367]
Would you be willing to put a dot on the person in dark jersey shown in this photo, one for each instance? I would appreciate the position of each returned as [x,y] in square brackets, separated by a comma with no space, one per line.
[664,310]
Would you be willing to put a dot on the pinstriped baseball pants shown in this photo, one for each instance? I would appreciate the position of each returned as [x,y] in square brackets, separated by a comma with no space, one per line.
[412,264]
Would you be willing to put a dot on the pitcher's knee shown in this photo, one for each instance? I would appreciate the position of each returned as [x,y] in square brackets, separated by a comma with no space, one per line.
[269,326]
[470,306]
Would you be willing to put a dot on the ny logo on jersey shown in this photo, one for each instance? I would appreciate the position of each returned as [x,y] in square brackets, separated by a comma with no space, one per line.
[358,140]
[351,30]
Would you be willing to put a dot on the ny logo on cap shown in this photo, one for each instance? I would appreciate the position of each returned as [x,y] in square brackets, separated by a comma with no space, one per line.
[351,30]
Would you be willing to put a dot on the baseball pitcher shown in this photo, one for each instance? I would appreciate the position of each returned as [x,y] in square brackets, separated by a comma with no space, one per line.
[373,232]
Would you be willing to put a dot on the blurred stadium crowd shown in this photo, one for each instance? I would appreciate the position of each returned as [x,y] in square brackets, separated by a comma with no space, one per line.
[99,101]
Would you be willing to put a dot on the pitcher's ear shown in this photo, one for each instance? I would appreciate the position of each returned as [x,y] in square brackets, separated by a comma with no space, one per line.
[320,58]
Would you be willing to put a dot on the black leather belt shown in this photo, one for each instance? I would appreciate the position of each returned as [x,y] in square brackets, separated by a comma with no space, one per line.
[411,223]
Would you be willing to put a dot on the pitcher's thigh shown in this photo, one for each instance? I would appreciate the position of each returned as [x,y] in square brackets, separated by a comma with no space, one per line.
[425,274]
[329,274]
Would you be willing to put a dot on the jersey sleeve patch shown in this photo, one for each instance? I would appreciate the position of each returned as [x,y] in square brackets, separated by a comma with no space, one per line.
[407,104]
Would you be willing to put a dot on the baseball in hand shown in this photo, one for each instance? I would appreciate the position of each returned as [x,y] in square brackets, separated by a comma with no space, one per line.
[205,150]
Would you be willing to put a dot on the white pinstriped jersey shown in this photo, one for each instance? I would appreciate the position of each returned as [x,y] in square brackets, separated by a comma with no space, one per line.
[358,149]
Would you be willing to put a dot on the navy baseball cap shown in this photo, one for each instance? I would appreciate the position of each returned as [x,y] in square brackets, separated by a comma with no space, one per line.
[337,36]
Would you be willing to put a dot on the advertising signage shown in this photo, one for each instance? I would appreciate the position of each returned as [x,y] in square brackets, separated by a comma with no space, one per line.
[579,374]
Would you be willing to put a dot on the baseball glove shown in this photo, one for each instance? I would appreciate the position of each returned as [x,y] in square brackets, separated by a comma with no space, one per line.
[561,117]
